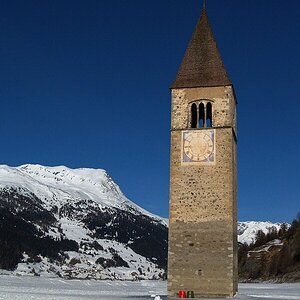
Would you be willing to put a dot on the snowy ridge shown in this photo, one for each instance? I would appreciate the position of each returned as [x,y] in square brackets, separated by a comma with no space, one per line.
[59,185]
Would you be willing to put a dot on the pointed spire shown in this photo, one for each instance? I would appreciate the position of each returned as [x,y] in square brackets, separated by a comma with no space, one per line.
[202,64]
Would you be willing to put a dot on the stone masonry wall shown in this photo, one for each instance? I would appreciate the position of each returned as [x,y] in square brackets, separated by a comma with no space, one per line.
[223,105]
[202,230]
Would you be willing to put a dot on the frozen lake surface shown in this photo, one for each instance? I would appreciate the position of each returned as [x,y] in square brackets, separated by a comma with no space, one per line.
[36,288]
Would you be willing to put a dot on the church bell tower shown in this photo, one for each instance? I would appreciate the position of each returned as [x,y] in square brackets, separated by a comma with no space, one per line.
[202,255]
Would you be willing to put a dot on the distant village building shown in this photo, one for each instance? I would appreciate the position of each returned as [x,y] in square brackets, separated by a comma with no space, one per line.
[202,256]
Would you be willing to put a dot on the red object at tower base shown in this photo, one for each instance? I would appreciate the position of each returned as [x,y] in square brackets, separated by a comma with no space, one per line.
[182,294]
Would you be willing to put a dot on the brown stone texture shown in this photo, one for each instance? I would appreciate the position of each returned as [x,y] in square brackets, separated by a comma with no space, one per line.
[203,213]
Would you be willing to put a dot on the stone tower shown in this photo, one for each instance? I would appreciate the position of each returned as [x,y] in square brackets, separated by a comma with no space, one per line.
[203,210]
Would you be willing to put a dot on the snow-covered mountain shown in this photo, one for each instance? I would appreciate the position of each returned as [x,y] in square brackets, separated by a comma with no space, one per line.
[247,230]
[76,223]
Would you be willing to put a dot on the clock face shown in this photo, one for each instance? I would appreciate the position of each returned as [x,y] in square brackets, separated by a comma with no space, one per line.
[198,146]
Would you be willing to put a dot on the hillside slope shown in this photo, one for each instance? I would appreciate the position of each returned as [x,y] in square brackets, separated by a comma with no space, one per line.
[273,255]
[76,223]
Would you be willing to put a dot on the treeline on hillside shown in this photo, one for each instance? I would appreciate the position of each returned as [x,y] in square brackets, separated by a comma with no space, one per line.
[265,260]
[18,236]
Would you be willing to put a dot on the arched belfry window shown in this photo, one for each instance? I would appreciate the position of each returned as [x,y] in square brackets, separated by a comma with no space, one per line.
[208,114]
[201,114]
[194,115]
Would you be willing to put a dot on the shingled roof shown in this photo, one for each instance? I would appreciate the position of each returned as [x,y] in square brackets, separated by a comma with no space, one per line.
[202,64]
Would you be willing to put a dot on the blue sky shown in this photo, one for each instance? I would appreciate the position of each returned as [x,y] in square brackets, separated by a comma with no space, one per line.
[86,84]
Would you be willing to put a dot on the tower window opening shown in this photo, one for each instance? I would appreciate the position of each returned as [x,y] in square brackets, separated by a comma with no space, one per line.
[208,115]
[201,115]
[194,116]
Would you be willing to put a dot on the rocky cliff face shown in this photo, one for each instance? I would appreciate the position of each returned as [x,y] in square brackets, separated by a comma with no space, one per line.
[76,223]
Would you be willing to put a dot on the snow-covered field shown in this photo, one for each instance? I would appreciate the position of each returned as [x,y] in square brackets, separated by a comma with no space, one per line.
[38,288]
[33,288]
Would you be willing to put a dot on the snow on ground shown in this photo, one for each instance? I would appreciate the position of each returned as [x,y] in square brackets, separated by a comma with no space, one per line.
[40,288]
[287,291]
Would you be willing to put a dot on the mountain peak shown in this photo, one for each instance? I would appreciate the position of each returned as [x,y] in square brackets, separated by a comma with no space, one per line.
[60,184]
